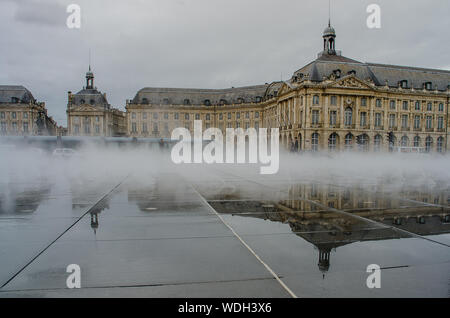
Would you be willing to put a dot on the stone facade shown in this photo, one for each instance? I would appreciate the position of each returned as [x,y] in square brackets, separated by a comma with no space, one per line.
[333,103]
[22,115]
[90,114]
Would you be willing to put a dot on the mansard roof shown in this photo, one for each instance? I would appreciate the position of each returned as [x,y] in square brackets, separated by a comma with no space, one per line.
[193,96]
[327,66]
[15,94]
[90,96]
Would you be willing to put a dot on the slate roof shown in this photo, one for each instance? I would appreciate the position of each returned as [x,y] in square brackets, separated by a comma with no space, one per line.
[381,74]
[90,96]
[15,94]
[180,96]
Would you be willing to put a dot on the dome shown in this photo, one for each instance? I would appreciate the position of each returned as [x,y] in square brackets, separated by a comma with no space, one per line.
[329,31]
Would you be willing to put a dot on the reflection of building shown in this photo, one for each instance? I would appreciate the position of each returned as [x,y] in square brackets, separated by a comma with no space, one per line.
[89,113]
[19,201]
[309,217]
[22,115]
[332,103]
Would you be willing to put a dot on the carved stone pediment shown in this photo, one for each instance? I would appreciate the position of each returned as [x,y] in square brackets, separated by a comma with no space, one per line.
[351,82]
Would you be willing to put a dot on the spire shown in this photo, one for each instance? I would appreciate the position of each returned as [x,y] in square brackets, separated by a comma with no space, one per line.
[329,35]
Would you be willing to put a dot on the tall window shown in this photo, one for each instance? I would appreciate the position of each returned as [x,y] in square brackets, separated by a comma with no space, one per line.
[405,105]
[2,115]
[392,104]
[333,100]
[176,116]
[256,114]
[333,117]
[25,127]
[404,141]
[404,121]
[440,144]
[429,107]
[416,141]
[377,120]
[315,117]
[428,144]
[186,116]
[429,122]
[348,116]
[197,116]
[144,128]
[392,121]
[363,101]
[348,141]
[377,143]
[417,107]
[416,122]
[315,100]
[315,142]
[133,128]
[332,141]
[363,119]
[440,122]
[378,103]
[208,117]
[441,107]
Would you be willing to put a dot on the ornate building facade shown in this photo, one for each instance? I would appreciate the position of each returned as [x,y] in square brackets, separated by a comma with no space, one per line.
[22,115]
[333,103]
[90,114]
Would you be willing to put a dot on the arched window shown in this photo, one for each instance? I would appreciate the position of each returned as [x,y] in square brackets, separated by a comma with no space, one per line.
[440,144]
[417,141]
[428,144]
[348,116]
[364,142]
[315,142]
[332,142]
[377,143]
[404,142]
[348,141]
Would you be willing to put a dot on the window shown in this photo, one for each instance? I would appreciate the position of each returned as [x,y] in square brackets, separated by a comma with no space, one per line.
[333,118]
[315,117]
[144,128]
[238,115]
[229,115]
[186,116]
[2,115]
[207,102]
[256,114]
[315,100]
[208,117]
[155,116]
[77,129]
[348,141]
[392,104]
[220,116]
[25,115]
[405,105]
[238,124]
[429,122]
[440,144]
[363,101]
[441,107]
[333,100]
[392,121]
[332,142]
[247,125]
[14,126]
[416,122]
[348,116]
[256,125]
[197,116]
[404,142]
[428,144]
[416,141]
[144,115]
[363,119]
[417,107]
[3,127]
[428,85]
[166,115]
[166,127]
[92,101]
[377,120]
[440,122]
[133,128]
[133,115]
[377,143]
[13,115]
[176,116]
[405,121]
[247,115]
[25,127]
[429,107]
[187,102]
[97,129]
[166,101]
[378,102]
[315,142]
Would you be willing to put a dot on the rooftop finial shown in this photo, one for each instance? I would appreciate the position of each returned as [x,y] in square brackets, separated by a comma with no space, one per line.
[89,59]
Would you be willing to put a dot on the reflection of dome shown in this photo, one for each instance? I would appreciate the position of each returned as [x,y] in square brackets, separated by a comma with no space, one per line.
[324,260]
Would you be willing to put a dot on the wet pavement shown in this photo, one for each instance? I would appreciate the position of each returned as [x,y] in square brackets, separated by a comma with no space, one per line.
[225,233]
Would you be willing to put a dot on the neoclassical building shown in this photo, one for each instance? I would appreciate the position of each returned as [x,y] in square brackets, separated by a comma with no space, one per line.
[22,115]
[90,114]
[333,103]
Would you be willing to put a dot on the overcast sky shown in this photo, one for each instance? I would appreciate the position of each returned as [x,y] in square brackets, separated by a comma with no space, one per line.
[202,43]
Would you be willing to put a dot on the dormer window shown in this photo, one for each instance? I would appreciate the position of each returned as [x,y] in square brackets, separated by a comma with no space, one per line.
[403,84]
[166,101]
[145,101]
[240,100]
[428,86]
[82,101]
[337,73]
[92,101]
[187,102]
[258,99]
[352,72]
[207,102]
[223,102]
